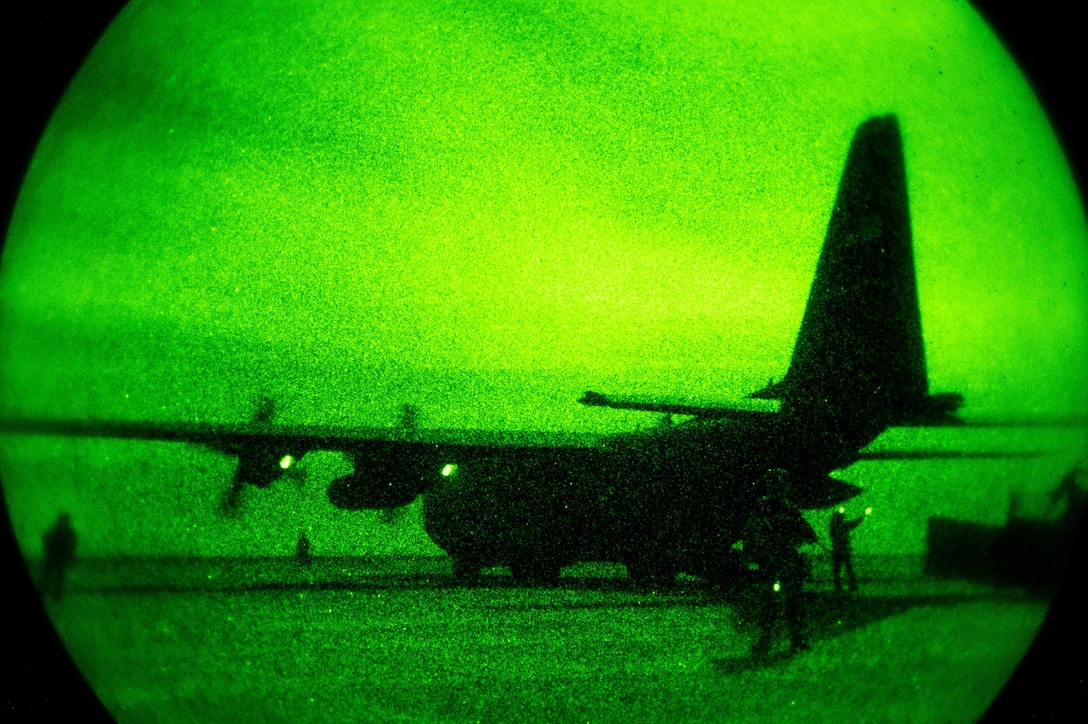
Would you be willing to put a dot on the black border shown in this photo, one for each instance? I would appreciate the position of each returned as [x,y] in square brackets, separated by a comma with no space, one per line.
[1047,38]
[45,42]
[42,45]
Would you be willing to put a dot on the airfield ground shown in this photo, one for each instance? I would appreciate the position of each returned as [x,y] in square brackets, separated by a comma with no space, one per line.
[395,640]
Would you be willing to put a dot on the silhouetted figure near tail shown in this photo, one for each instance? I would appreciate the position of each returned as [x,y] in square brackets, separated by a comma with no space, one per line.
[771,539]
[59,546]
[302,550]
[841,550]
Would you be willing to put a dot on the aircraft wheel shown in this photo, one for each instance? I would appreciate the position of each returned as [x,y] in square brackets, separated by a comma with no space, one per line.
[466,569]
[729,577]
[648,573]
[535,573]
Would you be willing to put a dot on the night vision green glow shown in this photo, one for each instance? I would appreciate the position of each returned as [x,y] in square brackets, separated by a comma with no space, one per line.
[240,199]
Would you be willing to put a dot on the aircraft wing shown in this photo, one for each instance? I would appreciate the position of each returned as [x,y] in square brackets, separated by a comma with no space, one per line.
[392,465]
[948,455]
[1052,422]
[238,437]
[229,437]
[1059,421]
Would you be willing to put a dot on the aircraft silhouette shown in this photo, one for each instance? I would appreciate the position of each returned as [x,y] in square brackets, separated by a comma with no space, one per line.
[667,500]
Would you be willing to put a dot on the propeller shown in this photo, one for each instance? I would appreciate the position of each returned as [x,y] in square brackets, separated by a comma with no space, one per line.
[231,501]
[230,505]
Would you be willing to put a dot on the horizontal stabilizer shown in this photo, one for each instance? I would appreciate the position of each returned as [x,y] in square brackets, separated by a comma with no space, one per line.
[743,409]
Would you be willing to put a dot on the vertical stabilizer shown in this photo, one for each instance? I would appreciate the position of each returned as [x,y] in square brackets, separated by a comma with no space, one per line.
[859,354]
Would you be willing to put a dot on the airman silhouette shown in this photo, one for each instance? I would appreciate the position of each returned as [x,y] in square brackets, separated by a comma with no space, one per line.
[59,546]
[841,550]
[302,549]
[771,539]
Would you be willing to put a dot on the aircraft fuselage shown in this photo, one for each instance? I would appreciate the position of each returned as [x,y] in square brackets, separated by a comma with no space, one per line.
[662,501]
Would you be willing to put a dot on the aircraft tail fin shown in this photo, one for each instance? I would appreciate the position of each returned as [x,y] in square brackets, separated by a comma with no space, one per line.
[859,354]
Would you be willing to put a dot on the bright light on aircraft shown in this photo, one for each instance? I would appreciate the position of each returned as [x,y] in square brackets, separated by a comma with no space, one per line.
[286,461]
[449,470]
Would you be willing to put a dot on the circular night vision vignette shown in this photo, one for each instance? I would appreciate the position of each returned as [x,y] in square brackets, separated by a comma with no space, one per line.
[44,680]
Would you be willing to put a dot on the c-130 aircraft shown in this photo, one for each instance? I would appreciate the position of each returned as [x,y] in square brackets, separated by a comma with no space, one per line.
[668,500]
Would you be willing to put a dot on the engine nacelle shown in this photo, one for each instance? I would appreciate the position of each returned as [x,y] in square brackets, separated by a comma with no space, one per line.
[384,482]
[362,491]
[261,466]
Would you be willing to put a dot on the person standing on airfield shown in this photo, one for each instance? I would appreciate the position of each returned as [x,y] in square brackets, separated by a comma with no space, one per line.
[302,549]
[771,540]
[841,550]
[59,546]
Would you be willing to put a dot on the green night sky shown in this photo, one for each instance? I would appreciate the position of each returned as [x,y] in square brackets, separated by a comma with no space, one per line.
[484,208]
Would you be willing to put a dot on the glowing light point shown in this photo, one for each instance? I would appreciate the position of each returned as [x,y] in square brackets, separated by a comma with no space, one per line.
[777,587]
[449,470]
[868,510]
[842,509]
[286,461]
